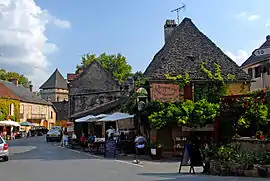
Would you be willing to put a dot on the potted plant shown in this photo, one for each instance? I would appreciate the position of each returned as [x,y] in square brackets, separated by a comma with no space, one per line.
[155,149]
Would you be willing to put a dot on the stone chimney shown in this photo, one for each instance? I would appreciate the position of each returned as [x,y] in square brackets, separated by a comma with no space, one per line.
[168,28]
[31,88]
[14,81]
[268,37]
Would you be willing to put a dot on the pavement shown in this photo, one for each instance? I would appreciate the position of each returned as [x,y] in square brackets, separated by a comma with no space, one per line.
[33,159]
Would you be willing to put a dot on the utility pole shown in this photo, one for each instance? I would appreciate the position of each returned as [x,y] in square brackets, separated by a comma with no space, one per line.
[177,10]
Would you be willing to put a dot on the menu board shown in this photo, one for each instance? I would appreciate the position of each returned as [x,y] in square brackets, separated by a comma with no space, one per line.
[110,149]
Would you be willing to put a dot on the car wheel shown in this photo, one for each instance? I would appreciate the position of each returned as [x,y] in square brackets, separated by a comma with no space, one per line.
[5,158]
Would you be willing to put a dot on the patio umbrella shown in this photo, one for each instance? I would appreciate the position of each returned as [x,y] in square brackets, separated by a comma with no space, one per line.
[26,123]
[94,118]
[84,119]
[9,123]
[116,117]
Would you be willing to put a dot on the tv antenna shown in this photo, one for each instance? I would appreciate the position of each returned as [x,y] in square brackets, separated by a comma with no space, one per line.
[177,10]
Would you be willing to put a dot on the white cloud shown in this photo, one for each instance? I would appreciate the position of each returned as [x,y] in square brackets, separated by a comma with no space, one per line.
[239,57]
[246,16]
[23,45]
[253,17]
[62,23]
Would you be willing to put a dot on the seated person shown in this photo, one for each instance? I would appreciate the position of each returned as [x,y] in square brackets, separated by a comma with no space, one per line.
[91,142]
[83,141]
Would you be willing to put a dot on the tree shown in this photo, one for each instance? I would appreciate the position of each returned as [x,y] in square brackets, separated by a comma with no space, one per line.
[5,75]
[116,64]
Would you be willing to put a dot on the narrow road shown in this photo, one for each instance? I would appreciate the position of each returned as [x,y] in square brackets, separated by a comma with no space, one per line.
[35,160]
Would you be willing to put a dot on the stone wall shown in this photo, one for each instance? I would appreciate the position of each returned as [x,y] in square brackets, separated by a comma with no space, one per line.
[94,87]
[252,144]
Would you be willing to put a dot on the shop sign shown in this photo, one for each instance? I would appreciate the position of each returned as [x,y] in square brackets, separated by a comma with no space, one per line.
[165,92]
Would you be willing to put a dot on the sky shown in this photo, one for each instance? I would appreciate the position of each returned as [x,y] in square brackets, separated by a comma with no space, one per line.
[38,36]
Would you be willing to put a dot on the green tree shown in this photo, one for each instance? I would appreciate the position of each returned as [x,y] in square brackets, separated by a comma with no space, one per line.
[116,64]
[5,75]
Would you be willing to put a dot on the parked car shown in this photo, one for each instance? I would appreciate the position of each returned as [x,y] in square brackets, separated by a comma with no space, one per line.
[53,135]
[4,153]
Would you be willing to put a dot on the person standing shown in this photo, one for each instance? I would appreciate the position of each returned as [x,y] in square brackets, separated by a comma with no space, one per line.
[140,143]
[110,131]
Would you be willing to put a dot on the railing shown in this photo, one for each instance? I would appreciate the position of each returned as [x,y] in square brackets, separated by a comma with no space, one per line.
[37,116]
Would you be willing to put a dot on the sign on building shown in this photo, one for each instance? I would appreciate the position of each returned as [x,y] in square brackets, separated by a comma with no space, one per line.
[165,92]
[261,51]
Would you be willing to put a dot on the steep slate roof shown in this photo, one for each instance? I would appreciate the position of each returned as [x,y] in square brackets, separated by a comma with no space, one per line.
[254,59]
[185,50]
[56,81]
[24,94]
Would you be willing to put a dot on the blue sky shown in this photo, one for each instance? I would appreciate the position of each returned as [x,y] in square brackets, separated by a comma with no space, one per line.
[135,28]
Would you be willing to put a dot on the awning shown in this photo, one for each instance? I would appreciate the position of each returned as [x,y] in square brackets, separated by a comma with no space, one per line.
[116,116]
[9,123]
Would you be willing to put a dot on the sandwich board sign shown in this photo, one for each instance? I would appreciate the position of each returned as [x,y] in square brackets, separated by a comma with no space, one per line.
[191,157]
[261,51]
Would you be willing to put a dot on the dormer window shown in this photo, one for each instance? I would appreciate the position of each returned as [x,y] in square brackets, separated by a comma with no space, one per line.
[191,58]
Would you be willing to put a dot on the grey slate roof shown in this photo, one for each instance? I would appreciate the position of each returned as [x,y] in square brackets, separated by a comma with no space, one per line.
[56,81]
[185,50]
[24,94]
[254,59]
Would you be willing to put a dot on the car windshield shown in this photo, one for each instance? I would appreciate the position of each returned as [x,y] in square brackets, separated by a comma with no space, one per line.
[1,140]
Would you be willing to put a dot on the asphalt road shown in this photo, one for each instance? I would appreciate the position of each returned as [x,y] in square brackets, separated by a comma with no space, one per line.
[35,160]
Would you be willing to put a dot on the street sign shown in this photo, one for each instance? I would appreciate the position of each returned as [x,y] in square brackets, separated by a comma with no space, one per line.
[261,51]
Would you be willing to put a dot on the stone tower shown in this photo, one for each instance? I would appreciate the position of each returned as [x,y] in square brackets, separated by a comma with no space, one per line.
[55,89]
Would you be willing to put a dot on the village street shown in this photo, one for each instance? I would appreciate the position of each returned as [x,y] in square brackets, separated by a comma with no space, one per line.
[35,160]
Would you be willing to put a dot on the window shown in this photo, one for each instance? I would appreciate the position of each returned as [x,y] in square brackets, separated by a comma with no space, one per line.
[11,109]
[250,72]
[268,68]
[257,71]
[29,111]
[51,115]
[39,109]
[21,108]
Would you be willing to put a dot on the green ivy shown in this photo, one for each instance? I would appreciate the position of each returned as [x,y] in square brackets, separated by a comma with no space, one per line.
[182,81]
[187,113]
[4,109]
[214,89]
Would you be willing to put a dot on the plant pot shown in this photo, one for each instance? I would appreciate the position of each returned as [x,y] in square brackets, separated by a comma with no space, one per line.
[155,153]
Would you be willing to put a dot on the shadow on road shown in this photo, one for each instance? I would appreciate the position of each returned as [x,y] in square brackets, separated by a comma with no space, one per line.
[196,177]
[42,151]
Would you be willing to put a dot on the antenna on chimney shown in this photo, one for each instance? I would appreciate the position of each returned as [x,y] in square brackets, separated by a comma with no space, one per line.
[177,10]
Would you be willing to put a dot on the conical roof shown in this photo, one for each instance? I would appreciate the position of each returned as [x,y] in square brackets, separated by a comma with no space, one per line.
[56,81]
[184,52]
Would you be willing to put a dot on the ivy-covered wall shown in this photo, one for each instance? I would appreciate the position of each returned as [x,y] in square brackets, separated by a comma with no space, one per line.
[238,88]
[4,109]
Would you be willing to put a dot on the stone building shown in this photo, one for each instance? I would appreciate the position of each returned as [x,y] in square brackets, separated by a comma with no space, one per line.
[184,51]
[94,91]
[55,89]
[258,66]
[186,48]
